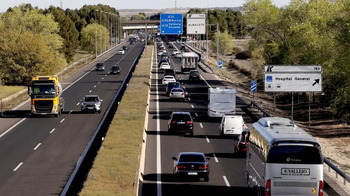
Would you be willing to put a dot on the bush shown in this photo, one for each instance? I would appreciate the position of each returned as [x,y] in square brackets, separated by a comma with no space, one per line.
[243,55]
[150,42]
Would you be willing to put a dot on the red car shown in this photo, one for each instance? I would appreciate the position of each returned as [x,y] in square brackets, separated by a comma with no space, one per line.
[240,147]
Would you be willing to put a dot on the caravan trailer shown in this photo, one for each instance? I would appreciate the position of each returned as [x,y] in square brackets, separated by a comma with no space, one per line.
[221,101]
[283,159]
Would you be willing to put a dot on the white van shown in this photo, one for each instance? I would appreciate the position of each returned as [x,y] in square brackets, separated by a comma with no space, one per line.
[232,125]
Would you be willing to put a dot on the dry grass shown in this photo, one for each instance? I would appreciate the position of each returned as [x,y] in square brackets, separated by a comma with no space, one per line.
[6,91]
[115,168]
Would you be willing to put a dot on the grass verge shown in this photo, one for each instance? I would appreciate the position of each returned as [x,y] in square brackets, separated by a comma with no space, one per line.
[115,168]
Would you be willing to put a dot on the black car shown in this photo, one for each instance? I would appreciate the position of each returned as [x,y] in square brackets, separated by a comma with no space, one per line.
[115,70]
[181,122]
[169,72]
[172,85]
[183,47]
[188,164]
[240,148]
[100,67]
[125,47]
[194,75]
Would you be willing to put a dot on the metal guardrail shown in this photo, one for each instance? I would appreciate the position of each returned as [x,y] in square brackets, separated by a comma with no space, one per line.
[73,185]
[325,160]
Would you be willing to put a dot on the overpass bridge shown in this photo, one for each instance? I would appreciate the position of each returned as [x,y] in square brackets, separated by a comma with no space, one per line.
[140,25]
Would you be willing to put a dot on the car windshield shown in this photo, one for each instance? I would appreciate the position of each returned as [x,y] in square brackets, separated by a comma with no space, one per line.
[44,89]
[191,158]
[177,90]
[91,98]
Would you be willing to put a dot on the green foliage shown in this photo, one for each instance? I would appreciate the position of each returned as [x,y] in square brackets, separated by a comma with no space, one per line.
[29,45]
[226,43]
[88,38]
[67,31]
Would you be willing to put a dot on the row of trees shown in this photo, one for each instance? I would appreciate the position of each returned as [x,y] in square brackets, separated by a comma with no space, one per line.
[314,32]
[40,42]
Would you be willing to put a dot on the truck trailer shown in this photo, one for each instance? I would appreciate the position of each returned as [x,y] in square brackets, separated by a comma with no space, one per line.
[46,96]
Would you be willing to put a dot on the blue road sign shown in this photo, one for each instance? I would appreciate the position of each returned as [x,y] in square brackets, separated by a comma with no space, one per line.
[171,24]
[253,85]
[220,64]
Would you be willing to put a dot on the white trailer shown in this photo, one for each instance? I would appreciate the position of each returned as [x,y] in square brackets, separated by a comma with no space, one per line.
[189,61]
[221,101]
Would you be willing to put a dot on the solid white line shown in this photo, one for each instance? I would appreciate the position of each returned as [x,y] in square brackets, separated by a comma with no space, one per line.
[200,124]
[159,164]
[192,106]
[226,181]
[196,114]
[37,146]
[62,120]
[215,158]
[206,137]
[18,166]
[52,130]
[8,130]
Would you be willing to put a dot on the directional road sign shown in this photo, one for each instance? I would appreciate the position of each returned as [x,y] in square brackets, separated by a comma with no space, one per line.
[220,64]
[293,78]
[195,24]
[171,24]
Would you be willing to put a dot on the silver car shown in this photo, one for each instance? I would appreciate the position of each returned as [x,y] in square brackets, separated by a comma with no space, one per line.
[91,103]
[177,93]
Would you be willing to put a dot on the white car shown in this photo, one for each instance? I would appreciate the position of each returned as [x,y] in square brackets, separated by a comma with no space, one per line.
[167,79]
[121,51]
[178,55]
[175,51]
[160,52]
[164,65]
[177,93]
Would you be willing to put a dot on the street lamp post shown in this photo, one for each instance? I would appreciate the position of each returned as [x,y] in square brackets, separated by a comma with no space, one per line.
[95,35]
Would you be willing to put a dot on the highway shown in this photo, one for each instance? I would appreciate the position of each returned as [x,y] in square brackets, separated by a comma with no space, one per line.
[38,154]
[227,171]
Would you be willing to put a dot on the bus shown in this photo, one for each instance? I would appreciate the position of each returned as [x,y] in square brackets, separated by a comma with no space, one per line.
[283,159]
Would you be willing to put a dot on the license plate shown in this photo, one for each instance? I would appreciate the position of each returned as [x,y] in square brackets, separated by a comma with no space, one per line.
[90,108]
[192,173]
[180,123]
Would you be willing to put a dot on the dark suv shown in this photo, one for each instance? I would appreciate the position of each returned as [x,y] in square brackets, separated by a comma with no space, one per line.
[169,72]
[181,122]
[188,164]
[100,67]
[194,75]
[171,85]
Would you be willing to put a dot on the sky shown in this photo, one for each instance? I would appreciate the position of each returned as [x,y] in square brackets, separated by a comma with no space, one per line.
[132,4]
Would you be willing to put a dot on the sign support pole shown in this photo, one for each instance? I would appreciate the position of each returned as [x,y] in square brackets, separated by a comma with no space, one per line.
[309,109]
[292,106]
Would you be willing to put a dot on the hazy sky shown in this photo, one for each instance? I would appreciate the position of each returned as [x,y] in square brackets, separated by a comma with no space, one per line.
[132,4]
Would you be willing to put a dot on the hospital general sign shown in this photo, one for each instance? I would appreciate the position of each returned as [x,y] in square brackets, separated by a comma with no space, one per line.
[171,24]
[284,78]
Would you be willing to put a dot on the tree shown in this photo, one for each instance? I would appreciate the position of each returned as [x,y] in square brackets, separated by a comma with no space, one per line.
[67,31]
[88,37]
[29,45]
[225,43]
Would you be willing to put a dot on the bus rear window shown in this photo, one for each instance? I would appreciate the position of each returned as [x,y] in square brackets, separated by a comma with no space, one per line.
[294,155]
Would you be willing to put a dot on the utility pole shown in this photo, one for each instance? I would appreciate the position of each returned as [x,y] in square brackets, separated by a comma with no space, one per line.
[217,42]
[95,35]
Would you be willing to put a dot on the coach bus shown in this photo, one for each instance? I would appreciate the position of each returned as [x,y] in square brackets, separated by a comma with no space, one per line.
[283,159]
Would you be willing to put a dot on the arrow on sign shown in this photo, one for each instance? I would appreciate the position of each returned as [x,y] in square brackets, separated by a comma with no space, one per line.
[317,81]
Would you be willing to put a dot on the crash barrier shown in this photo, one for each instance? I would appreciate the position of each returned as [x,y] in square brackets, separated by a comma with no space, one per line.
[328,162]
[79,174]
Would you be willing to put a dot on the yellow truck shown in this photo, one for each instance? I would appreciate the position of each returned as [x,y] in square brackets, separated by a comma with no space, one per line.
[46,96]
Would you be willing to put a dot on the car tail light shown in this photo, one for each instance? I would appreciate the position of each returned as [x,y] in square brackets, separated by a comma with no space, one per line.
[189,122]
[213,111]
[181,167]
[320,191]
[203,167]
[171,93]
[173,122]
[182,93]
[268,188]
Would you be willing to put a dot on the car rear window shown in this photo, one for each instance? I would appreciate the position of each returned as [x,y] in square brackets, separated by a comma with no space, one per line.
[183,117]
[295,155]
[191,158]
[177,90]
[174,84]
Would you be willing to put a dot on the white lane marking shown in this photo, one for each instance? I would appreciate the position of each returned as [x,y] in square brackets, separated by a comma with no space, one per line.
[205,81]
[95,86]
[103,78]
[18,166]
[62,120]
[186,93]
[8,130]
[52,130]
[196,114]
[189,99]
[70,112]
[206,137]
[37,146]
[192,106]
[78,103]
[98,82]
[200,124]
[215,158]
[159,163]
[90,91]
[226,181]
